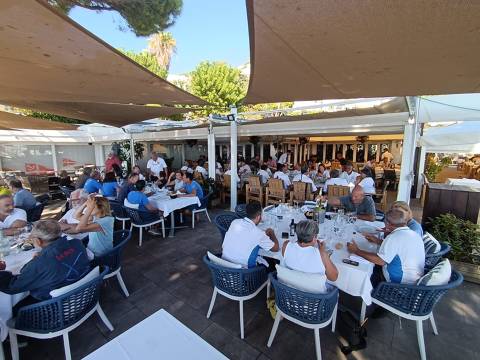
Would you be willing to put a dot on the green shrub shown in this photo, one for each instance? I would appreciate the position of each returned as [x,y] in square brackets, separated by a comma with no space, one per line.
[462,235]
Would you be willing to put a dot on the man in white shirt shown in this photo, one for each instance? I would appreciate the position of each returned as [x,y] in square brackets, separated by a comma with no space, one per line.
[281,174]
[284,157]
[200,169]
[155,165]
[386,155]
[401,253]
[305,178]
[263,173]
[11,219]
[244,169]
[77,198]
[334,180]
[244,239]
[349,174]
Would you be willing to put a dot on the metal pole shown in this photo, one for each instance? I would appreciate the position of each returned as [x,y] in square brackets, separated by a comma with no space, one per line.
[233,159]
[211,152]
[132,151]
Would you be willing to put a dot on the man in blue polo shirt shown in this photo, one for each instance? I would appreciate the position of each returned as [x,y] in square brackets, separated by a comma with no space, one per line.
[191,187]
[93,185]
[147,210]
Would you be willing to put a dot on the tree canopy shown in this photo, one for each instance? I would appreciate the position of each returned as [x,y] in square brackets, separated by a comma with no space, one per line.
[148,61]
[143,17]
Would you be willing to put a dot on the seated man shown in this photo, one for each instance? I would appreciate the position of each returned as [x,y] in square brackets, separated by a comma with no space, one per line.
[401,253]
[201,169]
[68,222]
[148,211]
[93,185]
[411,222]
[59,263]
[11,219]
[349,174]
[191,187]
[22,198]
[302,177]
[281,174]
[263,173]
[244,239]
[334,180]
[357,202]
[127,187]
[308,254]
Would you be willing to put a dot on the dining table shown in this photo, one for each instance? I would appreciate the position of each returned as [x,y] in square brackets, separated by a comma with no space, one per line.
[336,231]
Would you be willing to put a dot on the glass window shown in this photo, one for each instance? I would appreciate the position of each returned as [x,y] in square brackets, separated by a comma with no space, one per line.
[32,159]
[70,157]
[338,149]
[372,151]
[329,152]
[320,152]
[349,152]
[266,151]
[360,152]
[248,152]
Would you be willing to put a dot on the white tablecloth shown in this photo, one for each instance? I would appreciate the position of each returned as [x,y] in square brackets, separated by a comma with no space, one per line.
[464,182]
[168,205]
[14,264]
[160,336]
[354,280]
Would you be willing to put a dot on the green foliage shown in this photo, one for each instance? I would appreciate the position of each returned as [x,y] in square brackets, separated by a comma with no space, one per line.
[433,167]
[462,235]
[51,117]
[144,17]
[147,60]
[124,154]
[218,83]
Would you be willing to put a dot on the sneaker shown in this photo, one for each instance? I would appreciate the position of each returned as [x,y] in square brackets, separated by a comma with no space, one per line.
[155,232]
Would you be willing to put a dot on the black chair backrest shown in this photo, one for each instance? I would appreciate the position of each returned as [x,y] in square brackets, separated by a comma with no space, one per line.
[241,210]
[44,198]
[134,215]
[223,221]
[66,191]
[36,213]
[117,209]
[112,259]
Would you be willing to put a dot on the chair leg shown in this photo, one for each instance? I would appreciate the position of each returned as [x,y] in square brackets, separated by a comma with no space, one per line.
[66,346]
[193,219]
[242,331]
[334,318]
[278,317]
[421,341]
[208,216]
[2,353]
[140,236]
[104,318]
[123,224]
[434,326]
[163,229]
[268,289]
[317,343]
[212,302]
[181,217]
[122,284]
[14,345]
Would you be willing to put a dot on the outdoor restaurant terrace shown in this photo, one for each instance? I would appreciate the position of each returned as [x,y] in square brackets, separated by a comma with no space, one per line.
[156,238]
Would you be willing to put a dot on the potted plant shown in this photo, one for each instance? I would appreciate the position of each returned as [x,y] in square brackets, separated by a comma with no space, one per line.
[464,238]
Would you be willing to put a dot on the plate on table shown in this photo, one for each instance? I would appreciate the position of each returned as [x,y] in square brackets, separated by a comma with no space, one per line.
[362,228]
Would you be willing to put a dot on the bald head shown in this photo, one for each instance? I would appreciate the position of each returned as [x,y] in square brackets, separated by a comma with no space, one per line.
[358,195]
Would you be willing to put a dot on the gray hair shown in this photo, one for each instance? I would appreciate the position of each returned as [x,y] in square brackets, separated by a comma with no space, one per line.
[46,230]
[306,230]
[396,217]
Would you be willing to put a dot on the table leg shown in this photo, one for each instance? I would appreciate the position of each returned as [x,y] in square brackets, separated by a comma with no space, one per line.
[362,312]
[171,233]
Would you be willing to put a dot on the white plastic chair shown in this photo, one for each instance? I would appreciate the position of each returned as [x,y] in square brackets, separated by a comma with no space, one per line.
[136,221]
[203,208]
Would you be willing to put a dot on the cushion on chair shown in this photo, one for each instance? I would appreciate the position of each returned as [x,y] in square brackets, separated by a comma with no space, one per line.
[439,275]
[63,290]
[431,244]
[308,282]
[221,262]
[128,204]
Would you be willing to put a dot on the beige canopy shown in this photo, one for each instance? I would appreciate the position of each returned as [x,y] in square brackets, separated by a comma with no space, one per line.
[111,114]
[9,121]
[330,49]
[45,57]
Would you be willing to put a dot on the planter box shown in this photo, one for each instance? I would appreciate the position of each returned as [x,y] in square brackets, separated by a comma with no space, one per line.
[470,272]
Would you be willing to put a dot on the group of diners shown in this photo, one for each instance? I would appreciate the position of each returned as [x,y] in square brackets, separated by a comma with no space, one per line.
[400,257]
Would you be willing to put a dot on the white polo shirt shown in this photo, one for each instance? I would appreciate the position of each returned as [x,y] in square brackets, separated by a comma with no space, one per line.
[404,254]
[264,175]
[284,177]
[242,242]
[202,171]
[283,159]
[368,185]
[306,179]
[155,166]
[349,177]
[334,181]
[16,214]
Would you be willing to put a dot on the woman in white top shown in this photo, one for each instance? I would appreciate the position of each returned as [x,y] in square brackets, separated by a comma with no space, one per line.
[308,254]
[323,173]
[366,181]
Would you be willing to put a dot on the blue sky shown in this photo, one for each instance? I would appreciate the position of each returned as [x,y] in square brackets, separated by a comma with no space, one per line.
[205,30]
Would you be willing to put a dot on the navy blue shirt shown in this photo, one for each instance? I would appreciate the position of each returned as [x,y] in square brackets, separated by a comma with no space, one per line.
[123,191]
[59,264]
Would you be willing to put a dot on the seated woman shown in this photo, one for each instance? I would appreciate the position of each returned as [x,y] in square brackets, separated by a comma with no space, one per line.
[323,174]
[365,180]
[95,217]
[109,186]
[411,222]
[148,211]
[308,254]
[175,181]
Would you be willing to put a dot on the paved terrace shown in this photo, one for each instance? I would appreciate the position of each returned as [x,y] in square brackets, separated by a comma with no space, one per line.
[169,273]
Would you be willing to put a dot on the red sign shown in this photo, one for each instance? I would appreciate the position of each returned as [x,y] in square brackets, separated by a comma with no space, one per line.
[68,162]
[37,169]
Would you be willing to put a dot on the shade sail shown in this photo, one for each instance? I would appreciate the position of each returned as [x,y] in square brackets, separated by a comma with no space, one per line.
[110,114]
[457,138]
[9,121]
[45,57]
[329,49]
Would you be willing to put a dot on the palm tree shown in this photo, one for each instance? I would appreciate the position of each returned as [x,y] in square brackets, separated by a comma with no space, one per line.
[163,46]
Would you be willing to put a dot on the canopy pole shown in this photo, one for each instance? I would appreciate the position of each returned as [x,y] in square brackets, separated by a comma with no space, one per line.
[421,170]
[211,152]
[233,157]
[408,154]
[132,152]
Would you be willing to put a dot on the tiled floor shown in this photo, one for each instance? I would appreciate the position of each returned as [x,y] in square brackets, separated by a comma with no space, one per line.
[169,273]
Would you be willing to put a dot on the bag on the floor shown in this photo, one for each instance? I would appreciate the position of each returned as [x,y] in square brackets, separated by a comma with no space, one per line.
[351,331]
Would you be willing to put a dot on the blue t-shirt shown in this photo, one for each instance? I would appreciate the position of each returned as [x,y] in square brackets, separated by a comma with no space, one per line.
[100,242]
[194,185]
[138,198]
[109,189]
[92,186]
[415,226]
[24,199]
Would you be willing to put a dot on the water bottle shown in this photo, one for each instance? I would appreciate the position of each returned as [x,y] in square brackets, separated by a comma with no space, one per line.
[292,228]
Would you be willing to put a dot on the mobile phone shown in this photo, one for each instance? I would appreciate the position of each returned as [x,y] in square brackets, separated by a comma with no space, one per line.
[350,262]
[285,235]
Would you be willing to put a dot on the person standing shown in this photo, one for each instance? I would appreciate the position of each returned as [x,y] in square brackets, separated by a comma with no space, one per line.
[156,165]
[387,156]
[112,159]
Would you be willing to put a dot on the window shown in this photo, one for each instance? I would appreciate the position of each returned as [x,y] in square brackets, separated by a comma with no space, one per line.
[349,152]
[32,159]
[320,152]
[372,151]
[360,152]
[329,152]
[70,157]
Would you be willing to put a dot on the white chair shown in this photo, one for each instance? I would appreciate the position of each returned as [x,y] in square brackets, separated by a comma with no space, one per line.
[59,315]
[202,208]
[136,221]
[312,311]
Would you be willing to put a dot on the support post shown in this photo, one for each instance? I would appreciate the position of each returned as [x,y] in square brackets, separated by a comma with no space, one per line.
[132,151]
[233,158]
[211,152]
[54,159]
[421,170]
